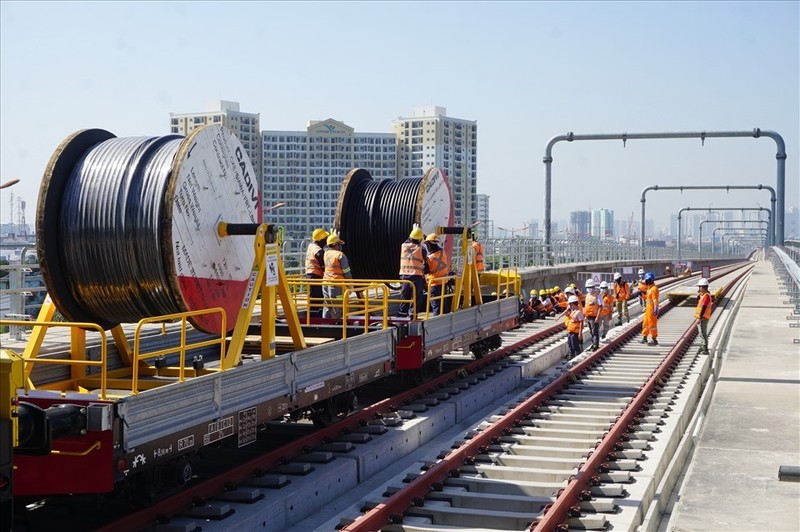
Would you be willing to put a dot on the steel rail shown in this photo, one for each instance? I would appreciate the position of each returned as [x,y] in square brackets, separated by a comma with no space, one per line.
[556,516]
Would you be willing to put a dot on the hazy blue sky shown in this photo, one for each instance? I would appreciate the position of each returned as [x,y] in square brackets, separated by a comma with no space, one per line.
[525,71]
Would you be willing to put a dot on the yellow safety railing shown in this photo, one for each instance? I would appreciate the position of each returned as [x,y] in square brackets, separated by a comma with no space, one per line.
[506,281]
[29,361]
[181,348]
[352,287]
[373,298]
[443,295]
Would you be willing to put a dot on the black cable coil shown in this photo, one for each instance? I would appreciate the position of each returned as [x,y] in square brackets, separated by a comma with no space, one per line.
[376,217]
[111,229]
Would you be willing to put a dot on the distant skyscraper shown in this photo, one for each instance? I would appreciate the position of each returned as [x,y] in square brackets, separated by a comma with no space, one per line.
[431,138]
[245,125]
[792,225]
[580,224]
[305,170]
[484,229]
[603,224]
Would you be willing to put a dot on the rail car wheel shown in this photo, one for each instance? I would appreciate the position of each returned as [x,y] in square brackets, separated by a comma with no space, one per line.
[332,410]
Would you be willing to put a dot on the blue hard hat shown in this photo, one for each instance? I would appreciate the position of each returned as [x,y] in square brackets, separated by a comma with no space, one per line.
[649,277]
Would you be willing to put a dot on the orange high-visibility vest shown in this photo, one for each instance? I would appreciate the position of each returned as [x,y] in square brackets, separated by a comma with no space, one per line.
[575,323]
[313,265]
[621,290]
[592,307]
[608,305]
[642,287]
[437,264]
[411,259]
[703,300]
[333,264]
[478,255]
[561,300]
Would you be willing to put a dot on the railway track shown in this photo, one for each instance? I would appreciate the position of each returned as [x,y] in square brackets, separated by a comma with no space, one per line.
[580,450]
[394,427]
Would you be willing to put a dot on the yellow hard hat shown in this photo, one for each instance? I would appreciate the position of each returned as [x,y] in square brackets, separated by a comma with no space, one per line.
[416,233]
[433,237]
[533,292]
[334,240]
[542,292]
[319,234]
[573,285]
[557,288]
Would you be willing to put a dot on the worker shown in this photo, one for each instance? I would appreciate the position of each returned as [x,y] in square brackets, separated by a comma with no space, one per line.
[574,323]
[560,299]
[591,309]
[580,295]
[413,267]
[687,272]
[538,304]
[650,323]
[668,271]
[531,306]
[703,313]
[438,267]
[477,253]
[641,287]
[336,268]
[606,309]
[622,292]
[315,268]
[549,307]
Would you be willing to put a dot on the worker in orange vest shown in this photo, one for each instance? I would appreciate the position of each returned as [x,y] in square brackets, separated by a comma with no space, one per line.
[622,292]
[574,322]
[702,313]
[606,310]
[336,268]
[642,288]
[650,323]
[438,267]
[315,268]
[477,253]
[591,310]
[413,267]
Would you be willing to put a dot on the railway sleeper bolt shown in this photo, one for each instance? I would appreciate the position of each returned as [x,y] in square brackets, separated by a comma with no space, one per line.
[470,460]
[198,501]
[230,486]
[586,495]
[427,465]
[603,468]
[454,473]
[396,519]
[437,486]
[574,511]
[612,457]
[562,528]
[418,502]
[442,455]
[594,481]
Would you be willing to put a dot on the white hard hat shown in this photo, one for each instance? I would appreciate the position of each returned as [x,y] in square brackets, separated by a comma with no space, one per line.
[617,276]
[641,271]
[589,283]
[569,290]
[603,285]
[702,282]
[573,299]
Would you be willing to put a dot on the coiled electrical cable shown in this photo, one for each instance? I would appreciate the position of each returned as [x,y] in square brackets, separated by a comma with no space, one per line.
[126,228]
[110,235]
[375,218]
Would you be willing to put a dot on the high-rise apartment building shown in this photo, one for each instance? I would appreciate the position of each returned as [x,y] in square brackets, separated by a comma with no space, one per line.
[603,224]
[580,224]
[246,126]
[485,229]
[431,138]
[305,169]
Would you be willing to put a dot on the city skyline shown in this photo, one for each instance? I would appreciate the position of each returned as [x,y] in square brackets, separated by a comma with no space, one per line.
[524,72]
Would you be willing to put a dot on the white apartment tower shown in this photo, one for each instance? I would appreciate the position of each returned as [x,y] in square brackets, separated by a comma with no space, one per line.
[431,138]
[305,169]
[485,229]
[603,224]
[245,125]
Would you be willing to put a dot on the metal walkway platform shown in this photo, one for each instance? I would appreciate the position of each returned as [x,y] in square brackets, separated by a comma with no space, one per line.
[752,426]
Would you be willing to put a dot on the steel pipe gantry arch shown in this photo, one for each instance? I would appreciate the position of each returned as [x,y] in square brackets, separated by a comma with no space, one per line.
[709,209]
[624,137]
[771,190]
[700,237]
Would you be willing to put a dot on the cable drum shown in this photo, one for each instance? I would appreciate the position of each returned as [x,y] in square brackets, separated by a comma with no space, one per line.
[374,218]
[126,227]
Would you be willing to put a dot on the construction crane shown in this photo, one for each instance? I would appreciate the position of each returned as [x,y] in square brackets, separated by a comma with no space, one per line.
[515,231]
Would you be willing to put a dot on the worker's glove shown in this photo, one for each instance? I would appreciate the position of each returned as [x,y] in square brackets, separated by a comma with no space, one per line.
[655,309]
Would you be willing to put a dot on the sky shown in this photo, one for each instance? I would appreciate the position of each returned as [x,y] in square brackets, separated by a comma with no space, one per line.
[525,71]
